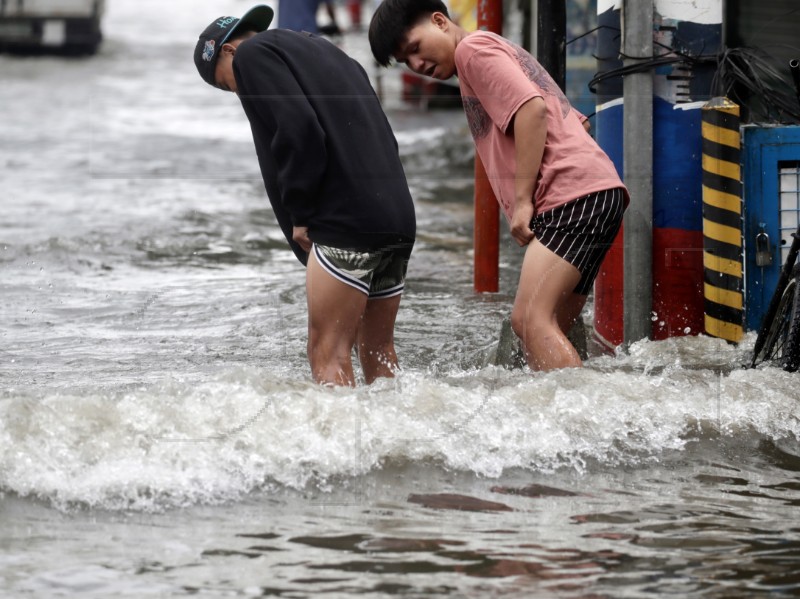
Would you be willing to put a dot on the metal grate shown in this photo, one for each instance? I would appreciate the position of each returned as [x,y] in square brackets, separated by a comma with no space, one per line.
[789,193]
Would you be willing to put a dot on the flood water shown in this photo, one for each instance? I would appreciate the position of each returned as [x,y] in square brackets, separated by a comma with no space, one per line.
[160,435]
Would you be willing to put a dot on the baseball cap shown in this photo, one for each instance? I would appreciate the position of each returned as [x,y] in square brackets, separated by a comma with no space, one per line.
[219,31]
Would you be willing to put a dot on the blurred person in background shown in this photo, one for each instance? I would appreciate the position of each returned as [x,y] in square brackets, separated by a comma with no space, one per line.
[301,15]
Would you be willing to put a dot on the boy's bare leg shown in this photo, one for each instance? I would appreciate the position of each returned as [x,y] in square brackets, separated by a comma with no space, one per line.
[334,316]
[376,338]
[545,289]
[569,311]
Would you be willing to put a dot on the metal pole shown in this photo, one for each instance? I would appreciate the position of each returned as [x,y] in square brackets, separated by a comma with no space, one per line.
[637,44]
[486,241]
[551,39]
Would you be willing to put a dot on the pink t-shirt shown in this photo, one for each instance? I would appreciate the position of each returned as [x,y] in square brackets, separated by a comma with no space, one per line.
[497,77]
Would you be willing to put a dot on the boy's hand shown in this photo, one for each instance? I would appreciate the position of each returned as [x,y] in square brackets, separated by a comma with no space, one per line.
[521,223]
[300,236]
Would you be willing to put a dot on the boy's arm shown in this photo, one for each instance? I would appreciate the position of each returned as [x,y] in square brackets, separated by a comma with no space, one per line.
[530,134]
[297,145]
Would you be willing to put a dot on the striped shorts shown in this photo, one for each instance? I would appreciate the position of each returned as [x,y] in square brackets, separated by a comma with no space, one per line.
[581,231]
[377,274]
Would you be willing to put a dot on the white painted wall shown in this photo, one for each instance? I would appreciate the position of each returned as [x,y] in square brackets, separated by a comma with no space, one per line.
[695,11]
[705,12]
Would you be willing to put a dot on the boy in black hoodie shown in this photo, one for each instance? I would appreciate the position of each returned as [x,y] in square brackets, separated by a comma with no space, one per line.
[333,176]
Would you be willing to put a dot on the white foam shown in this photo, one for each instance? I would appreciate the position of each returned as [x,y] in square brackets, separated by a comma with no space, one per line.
[181,443]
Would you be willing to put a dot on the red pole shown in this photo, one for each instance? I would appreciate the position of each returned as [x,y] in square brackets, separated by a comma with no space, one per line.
[487,214]
[354,7]
[486,233]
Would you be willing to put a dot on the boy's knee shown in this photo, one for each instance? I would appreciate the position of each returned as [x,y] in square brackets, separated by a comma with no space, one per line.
[526,321]
[518,322]
[328,349]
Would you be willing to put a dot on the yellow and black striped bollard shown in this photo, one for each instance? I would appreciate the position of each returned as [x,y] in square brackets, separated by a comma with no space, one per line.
[722,220]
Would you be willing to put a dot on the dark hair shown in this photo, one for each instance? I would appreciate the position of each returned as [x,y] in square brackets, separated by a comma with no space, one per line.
[391,22]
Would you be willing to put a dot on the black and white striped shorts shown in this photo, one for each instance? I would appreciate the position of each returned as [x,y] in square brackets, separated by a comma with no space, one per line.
[581,231]
[377,274]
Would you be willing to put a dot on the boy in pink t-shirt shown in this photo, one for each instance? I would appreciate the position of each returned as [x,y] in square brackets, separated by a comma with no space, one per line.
[559,191]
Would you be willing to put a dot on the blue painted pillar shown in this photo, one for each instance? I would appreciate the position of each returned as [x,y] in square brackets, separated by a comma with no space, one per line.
[680,89]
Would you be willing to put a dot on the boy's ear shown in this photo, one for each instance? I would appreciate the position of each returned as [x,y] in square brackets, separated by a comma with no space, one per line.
[228,48]
[440,20]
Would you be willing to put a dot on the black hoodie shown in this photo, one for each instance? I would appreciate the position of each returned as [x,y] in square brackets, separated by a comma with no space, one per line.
[327,153]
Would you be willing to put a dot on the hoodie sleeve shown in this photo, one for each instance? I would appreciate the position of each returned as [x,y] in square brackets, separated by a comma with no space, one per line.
[286,123]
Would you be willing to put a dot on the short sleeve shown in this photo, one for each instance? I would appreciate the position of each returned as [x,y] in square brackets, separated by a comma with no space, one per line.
[499,83]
